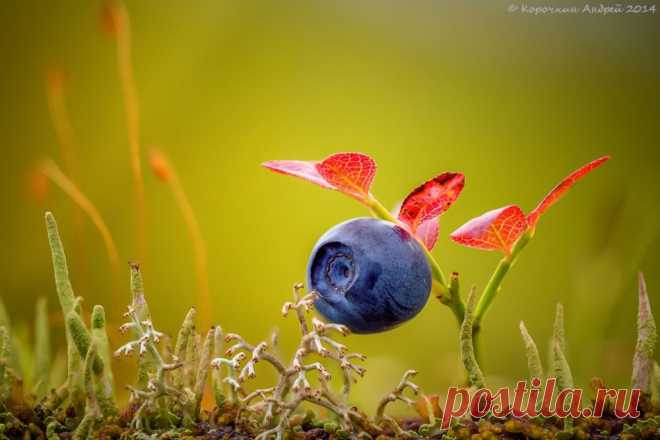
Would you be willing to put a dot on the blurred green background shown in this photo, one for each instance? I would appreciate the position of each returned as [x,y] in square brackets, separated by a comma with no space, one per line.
[514,101]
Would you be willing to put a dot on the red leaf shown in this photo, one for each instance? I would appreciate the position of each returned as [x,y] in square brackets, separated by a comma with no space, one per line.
[561,189]
[427,233]
[496,229]
[350,173]
[431,199]
[298,168]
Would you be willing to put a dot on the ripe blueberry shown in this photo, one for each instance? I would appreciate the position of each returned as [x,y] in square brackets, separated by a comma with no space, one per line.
[371,275]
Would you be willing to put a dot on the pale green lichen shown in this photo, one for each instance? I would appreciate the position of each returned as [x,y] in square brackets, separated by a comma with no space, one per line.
[4,354]
[147,365]
[100,340]
[203,370]
[68,303]
[534,363]
[475,375]
[42,358]
[560,367]
[216,374]
[186,331]
[85,428]
[13,359]
[646,339]
[104,381]
[191,361]
[102,385]
[558,332]
[82,339]
[656,382]
[398,394]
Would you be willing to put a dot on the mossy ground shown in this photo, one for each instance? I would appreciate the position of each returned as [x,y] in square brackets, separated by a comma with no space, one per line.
[23,421]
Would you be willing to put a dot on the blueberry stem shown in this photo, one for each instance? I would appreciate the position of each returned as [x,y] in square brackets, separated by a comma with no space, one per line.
[495,282]
[454,296]
[444,292]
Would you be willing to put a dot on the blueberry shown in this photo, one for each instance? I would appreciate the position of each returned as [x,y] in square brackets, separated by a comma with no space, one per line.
[371,275]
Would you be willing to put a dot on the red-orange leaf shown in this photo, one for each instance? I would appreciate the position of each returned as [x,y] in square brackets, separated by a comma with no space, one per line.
[498,229]
[350,173]
[427,233]
[561,189]
[298,168]
[431,199]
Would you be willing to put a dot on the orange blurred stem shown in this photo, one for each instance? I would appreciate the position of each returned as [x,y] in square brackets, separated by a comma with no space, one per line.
[448,296]
[127,79]
[166,172]
[53,172]
[60,118]
[59,114]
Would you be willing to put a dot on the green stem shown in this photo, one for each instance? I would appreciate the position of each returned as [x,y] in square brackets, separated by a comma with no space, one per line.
[378,210]
[493,287]
[457,304]
[443,291]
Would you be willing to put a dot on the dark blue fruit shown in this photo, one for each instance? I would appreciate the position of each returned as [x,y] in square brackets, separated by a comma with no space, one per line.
[371,275]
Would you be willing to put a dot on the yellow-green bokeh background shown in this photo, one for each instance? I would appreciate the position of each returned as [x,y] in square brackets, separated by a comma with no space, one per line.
[513,101]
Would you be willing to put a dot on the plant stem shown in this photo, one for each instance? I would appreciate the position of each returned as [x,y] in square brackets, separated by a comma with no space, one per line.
[204,302]
[61,120]
[454,296]
[493,287]
[445,293]
[131,105]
